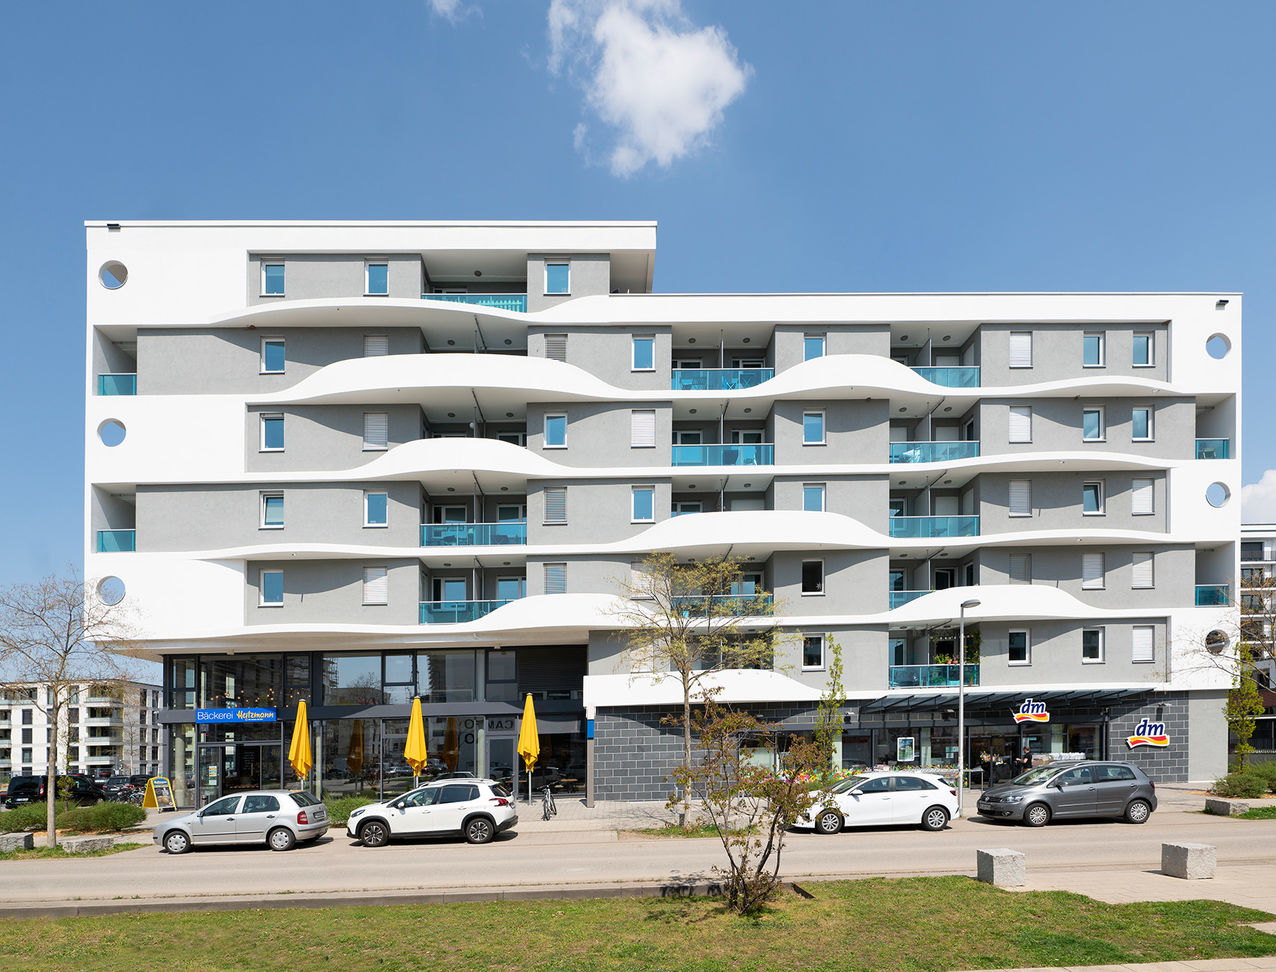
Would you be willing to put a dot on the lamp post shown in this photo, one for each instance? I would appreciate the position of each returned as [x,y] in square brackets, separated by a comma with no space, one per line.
[974,602]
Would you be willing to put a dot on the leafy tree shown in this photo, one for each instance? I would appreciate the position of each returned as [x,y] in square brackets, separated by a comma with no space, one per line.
[1244,705]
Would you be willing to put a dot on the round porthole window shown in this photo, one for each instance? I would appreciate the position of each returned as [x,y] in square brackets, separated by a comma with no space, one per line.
[1217,495]
[110,590]
[113,275]
[1216,641]
[111,432]
[1217,346]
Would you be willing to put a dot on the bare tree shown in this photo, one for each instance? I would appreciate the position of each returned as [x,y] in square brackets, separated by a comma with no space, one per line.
[58,633]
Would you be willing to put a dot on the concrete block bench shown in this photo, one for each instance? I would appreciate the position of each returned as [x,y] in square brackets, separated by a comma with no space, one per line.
[17,842]
[1226,808]
[1191,861]
[1002,867]
[83,845]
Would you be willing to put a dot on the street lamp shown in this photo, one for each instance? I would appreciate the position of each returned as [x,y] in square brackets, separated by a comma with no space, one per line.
[974,602]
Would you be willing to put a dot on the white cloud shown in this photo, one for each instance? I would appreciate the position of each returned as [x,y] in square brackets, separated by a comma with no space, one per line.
[1258,500]
[660,83]
[449,9]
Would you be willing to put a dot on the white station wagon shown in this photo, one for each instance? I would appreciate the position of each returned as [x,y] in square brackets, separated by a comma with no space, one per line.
[476,809]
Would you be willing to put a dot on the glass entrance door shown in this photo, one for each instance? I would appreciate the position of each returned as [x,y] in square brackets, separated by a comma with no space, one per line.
[235,767]
[501,759]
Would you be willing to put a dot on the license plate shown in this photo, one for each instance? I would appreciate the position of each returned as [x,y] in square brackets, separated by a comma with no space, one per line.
[321,815]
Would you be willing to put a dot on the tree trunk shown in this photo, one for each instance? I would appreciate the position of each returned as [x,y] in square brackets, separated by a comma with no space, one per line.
[685,822]
[51,784]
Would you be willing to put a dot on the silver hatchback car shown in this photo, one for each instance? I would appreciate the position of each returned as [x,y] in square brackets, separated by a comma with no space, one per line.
[1089,788]
[276,818]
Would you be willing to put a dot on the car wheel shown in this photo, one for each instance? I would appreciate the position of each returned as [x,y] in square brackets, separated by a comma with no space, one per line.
[374,834]
[479,830]
[1138,812]
[829,822]
[1037,815]
[936,818]
[281,839]
[176,842]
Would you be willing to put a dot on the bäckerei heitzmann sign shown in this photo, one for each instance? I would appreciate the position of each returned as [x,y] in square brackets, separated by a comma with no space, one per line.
[235,715]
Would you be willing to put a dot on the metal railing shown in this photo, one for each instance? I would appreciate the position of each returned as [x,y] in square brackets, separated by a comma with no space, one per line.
[509,302]
[923,676]
[951,377]
[116,541]
[900,598]
[719,379]
[117,384]
[733,454]
[722,605]
[927,527]
[473,534]
[1212,595]
[457,612]
[948,451]
[1213,448]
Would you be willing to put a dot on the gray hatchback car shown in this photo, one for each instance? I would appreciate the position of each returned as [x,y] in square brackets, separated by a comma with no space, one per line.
[277,818]
[1090,788]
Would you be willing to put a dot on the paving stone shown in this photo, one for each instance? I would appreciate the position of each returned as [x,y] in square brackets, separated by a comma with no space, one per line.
[1191,861]
[1002,867]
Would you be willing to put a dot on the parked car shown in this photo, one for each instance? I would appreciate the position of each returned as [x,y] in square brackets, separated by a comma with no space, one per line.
[77,787]
[139,780]
[280,819]
[883,799]
[477,809]
[1087,788]
[115,784]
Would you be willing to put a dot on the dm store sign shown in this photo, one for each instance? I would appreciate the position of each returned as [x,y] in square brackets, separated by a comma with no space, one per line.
[1032,711]
[1148,734]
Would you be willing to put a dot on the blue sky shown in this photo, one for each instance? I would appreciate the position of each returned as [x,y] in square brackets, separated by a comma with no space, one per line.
[840,146]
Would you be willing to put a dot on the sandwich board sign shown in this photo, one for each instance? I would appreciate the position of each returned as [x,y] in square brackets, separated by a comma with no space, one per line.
[159,794]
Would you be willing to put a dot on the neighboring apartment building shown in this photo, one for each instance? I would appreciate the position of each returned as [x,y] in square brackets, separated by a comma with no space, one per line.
[1258,590]
[356,462]
[105,729]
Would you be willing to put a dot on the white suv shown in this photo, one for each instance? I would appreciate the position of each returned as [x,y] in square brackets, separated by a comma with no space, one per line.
[477,809]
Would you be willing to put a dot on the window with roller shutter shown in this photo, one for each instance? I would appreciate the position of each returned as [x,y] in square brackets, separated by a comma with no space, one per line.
[1020,349]
[1021,568]
[1092,572]
[556,347]
[556,504]
[1143,643]
[376,345]
[1141,569]
[376,431]
[1142,497]
[642,428]
[376,585]
[555,578]
[1020,423]
[1020,497]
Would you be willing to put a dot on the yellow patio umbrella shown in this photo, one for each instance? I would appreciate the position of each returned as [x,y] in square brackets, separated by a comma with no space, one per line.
[451,745]
[354,755]
[529,743]
[299,751]
[414,750]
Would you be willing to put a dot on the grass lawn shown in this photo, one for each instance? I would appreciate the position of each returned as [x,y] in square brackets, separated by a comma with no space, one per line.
[911,923]
[1259,813]
[672,830]
[26,855]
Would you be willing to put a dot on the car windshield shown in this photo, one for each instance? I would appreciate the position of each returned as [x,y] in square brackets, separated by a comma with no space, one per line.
[1034,776]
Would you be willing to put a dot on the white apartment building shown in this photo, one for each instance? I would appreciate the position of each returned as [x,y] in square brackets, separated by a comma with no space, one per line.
[359,462]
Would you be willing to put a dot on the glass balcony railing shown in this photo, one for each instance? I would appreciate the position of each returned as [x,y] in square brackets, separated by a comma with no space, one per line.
[930,676]
[509,302]
[116,541]
[456,612]
[119,384]
[1212,595]
[473,534]
[734,454]
[719,379]
[723,605]
[926,527]
[933,451]
[951,377]
[900,598]
[1213,448]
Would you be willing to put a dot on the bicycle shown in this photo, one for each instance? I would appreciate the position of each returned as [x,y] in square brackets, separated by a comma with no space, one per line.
[548,807]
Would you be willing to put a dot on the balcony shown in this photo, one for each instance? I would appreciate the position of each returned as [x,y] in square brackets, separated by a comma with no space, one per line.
[930,676]
[457,612]
[1213,448]
[116,541]
[107,759]
[509,302]
[719,379]
[734,454]
[723,605]
[963,377]
[102,741]
[473,534]
[933,527]
[1212,595]
[5,762]
[114,720]
[900,598]
[117,384]
[933,451]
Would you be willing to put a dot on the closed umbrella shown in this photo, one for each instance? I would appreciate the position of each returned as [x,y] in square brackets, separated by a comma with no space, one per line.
[299,751]
[529,743]
[354,757]
[451,745]
[414,750]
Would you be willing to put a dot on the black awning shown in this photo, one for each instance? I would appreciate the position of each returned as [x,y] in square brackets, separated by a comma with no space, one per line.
[987,700]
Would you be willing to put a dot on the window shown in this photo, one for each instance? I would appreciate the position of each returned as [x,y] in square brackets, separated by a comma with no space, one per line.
[1020,497]
[812,653]
[1142,494]
[1141,424]
[555,578]
[1252,550]
[376,279]
[644,356]
[272,511]
[260,803]
[272,356]
[812,428]
[1141,576]
[272,433]
[376,585]
[376,431]
[813,497]
[555,431]
[556,504]
[1142,643]
[1092,349]
[1020,423]
[556,347]
[1092,499]
[271,593]
[687,506]
[1092,424]
[1143,351]
[812,577]
[642,428]
[376,345]
[1020,568]
[558,278]
[272,279]
[812,346]
[511,588]
[1018,648]
[1092,572]
[376,509]
[1020,355]
[1092,646]
[644,504]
